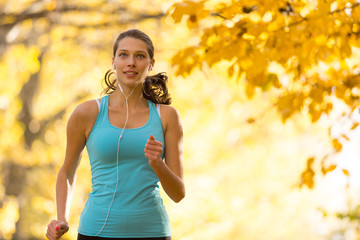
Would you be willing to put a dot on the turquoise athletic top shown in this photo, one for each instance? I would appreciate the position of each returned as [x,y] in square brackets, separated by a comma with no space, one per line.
[137,210]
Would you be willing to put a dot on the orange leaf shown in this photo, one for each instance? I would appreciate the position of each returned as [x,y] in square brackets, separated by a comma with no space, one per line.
[250,120]
[231,71]
[337,145]
[346,137]
[331,168]
[346,172]
[354,126]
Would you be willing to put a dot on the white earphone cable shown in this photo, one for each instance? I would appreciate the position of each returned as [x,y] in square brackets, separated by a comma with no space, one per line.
[117,155]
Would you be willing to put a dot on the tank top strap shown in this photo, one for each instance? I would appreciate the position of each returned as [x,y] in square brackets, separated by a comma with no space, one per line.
[103,109]
[154,109]
[104,105]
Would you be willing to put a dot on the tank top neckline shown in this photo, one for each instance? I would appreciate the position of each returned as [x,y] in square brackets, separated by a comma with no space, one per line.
[106,103]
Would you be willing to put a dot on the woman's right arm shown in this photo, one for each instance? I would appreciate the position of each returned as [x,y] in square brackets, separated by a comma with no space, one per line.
[77,126]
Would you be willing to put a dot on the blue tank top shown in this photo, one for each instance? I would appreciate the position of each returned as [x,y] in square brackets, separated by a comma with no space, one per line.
[137,210]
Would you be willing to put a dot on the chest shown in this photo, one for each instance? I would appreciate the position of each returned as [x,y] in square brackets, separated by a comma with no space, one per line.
[104,146]
[135,118]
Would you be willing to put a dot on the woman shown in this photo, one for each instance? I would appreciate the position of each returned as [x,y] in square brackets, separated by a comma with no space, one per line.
[127,134]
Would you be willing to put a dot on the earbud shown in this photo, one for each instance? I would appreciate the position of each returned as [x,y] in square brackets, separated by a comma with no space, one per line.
[113,65]
[150,68]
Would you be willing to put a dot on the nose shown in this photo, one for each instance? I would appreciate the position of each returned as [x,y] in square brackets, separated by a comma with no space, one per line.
[131,61]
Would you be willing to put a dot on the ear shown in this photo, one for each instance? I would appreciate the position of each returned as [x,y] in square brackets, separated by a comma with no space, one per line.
[152,63]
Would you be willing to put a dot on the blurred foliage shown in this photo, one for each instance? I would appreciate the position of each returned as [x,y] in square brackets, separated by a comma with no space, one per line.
[53,55]
[307,50]
[260,86]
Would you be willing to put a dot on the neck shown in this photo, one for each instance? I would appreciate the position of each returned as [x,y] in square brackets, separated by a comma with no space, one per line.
[133,96]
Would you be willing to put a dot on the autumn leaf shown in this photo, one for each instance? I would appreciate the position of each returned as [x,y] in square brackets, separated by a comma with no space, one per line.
[331,168]
[355,125]
[194,10]
[231,70]
[250,120]
[307,176]
[337,145]
[345,137]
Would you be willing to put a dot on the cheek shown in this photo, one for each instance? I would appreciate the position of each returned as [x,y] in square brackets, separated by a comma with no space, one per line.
[145,68]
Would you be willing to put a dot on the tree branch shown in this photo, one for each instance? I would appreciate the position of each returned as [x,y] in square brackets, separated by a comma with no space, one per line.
[47,13]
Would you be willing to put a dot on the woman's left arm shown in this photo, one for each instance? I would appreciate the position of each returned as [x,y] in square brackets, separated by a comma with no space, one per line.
[170,172]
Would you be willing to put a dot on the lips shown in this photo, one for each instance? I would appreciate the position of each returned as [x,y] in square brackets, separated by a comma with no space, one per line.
[130,73]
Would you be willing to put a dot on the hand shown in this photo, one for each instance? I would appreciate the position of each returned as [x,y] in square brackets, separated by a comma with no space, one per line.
[56,229]
[153,150]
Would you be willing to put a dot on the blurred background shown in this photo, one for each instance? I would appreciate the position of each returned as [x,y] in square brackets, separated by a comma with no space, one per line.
[268,93]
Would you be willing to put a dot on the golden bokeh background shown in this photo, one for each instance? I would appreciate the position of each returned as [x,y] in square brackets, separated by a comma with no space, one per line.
[260,161]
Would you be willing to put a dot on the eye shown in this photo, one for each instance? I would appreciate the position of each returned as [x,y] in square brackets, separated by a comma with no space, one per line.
[122,55]
[141,56]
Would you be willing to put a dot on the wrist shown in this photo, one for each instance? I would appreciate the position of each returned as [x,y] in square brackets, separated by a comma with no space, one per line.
[63,220]
[156,163]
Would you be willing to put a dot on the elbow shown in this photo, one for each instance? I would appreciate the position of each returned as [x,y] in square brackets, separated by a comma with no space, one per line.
[179,197]
[69,177]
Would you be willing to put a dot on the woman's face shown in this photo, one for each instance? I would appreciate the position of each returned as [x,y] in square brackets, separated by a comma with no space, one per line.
[132,61]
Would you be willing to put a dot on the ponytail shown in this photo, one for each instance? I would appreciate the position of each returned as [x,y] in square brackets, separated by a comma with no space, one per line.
[154,87]
[110,84]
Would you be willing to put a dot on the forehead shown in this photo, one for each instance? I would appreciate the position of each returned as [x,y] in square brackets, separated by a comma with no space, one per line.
[132,45]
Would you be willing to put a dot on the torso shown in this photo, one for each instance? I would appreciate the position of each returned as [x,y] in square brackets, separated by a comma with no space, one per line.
[137,209]
[137,117]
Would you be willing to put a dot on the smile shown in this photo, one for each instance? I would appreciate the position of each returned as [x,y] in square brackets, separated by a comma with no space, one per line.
[130,73]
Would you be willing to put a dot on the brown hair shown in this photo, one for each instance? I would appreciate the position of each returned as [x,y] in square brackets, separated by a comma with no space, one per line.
[154,87]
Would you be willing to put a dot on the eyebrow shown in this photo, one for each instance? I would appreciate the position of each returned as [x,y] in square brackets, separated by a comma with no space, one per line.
[125,50]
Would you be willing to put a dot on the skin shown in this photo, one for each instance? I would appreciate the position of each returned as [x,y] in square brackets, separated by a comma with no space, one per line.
[132,64]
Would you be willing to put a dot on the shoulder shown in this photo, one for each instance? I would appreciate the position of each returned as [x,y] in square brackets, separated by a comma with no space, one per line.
[85,112]
[169,112]
[171,116]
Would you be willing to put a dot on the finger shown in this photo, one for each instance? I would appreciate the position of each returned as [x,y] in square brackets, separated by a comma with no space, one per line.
[153,141]
[152,137]
[152,156]
[50,230]
[48,236]
[152,152]
[61,229]
[153,147]
[53,230]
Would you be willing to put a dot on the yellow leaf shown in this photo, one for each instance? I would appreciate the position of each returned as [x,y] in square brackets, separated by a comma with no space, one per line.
[346,172]
[250,91]
[310,162]
[195,10]
[346,137]
[231,70]
[329,107]
[314,112]
[355,125]
[331,168]
[317,94]
[250,120]
[337,145]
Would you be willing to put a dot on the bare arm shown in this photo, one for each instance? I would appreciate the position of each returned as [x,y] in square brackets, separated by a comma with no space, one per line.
[169,173]
[67,174]
[77,130]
